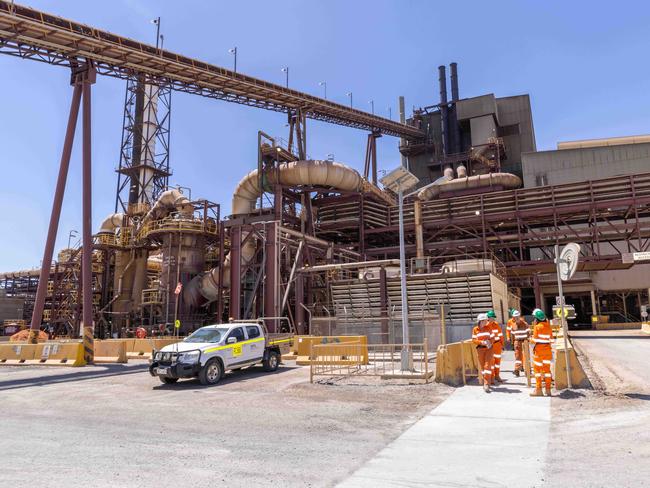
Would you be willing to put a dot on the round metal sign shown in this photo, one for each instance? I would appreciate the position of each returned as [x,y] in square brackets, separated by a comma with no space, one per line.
[569,258]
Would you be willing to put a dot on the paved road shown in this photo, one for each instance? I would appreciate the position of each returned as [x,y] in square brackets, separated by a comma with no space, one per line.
[619,358]
[115,426]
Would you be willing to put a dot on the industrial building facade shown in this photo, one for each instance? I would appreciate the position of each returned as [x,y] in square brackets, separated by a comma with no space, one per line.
[315,241]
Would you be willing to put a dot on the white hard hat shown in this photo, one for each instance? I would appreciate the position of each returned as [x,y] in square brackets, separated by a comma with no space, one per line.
[516,313]
[481,316]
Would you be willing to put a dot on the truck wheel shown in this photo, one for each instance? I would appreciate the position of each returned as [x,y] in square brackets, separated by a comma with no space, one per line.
[167,381]
[272,362]
[211,373]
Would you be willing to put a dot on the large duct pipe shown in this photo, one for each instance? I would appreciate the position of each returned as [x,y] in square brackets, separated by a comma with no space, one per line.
[329,174]
[441,186]
[296,173]
[169,201]
[111,223]
[444,112]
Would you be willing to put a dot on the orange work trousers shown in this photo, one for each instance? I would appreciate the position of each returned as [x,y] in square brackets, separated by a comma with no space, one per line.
[485,361]
[497,349]
[519,355]
[542,356]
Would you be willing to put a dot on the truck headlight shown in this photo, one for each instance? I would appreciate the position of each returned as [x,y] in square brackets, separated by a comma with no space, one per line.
[190,357]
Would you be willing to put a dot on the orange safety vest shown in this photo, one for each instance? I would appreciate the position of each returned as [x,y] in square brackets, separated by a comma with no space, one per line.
[543,334]
[480,334]
[519,330]
[496,329]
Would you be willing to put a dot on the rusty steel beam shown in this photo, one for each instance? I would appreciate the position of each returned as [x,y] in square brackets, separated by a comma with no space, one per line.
[41,290]
[88,79]
[36,35]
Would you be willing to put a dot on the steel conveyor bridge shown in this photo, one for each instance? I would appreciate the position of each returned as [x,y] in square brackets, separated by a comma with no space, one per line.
[32,34]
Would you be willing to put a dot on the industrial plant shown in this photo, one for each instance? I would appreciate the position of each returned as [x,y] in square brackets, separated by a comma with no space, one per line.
[312,246]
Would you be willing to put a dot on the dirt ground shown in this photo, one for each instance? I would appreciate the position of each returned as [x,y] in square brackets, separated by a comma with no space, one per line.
[117,426]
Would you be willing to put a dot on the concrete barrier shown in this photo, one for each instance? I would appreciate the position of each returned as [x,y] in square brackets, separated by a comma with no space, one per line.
[138,348]
[47,354]
[578,377]
[456,362]
[645,327]
[617,326]
[16,354]
[110,351]
[302,346]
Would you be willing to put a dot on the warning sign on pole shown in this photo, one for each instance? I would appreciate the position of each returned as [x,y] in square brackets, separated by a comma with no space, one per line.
[177,324]
[179,288]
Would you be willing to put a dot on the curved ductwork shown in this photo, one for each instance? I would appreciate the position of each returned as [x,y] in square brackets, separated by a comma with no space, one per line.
[327,174]
[439,188]
[111,223]
[296,173]
[169,201]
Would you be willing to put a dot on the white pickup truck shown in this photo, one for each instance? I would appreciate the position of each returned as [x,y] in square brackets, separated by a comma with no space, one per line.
[214,349]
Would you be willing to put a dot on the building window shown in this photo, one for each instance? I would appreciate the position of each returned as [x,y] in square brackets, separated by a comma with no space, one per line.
[509,130]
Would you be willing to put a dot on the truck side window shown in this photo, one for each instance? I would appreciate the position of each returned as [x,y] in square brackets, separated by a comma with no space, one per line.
[237,333]
[253,331]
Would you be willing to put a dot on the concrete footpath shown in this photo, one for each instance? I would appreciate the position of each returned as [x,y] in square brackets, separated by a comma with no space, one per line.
[472,439]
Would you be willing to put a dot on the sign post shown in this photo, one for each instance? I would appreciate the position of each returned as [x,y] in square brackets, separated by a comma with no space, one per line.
[566,263]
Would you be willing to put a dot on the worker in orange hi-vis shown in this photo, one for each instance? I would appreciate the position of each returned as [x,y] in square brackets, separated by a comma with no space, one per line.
[483,338]
[542,352]
[511,321]
[497,347]
[519,332]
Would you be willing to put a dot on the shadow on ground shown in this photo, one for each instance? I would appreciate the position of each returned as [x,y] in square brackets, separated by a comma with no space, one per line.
[77,375]
[234,376]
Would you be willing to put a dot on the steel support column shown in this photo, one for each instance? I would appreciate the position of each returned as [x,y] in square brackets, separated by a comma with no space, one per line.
[37,314]
[235,273]
[538,292]
[87,225]
[271,285]
[299,302]
[383,307]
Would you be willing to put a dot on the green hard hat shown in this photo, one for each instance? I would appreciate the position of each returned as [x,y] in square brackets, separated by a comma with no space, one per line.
[539,315]
[491,314]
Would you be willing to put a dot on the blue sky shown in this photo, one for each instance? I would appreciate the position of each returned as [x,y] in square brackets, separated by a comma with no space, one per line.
[584,64]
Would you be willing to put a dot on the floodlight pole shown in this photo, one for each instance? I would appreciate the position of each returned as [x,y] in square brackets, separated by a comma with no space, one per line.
[562,317]
[407,363]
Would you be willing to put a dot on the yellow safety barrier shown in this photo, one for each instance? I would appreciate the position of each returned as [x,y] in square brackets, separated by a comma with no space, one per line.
[578,377]
[455,362]
[13,354]
[142,348]
[110,351]
[302,346]
[48,354]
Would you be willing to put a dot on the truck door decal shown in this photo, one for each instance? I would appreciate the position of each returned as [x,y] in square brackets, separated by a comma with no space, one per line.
[237,350]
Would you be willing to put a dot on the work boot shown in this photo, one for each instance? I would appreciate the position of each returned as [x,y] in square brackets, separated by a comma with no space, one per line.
[486,387]
[537,392]
[548,391]
[498,378]
[516,373]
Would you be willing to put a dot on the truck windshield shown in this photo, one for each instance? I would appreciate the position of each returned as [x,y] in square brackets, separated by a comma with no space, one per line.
[206,335]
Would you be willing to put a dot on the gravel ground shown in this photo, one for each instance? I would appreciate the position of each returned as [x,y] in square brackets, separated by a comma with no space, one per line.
[117,426]
[600,438]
